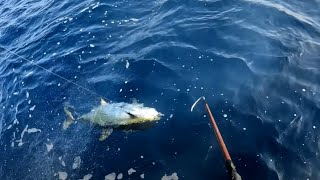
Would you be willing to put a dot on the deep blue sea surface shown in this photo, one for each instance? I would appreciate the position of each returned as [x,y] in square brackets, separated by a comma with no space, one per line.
[257,62]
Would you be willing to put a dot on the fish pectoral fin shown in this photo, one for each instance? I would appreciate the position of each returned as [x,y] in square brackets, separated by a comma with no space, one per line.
[103,102]
[70,119]
[105,134]
[132,116]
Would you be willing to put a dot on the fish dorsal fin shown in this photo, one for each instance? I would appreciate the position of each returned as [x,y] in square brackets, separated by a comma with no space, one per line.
[132,116]
[103,102]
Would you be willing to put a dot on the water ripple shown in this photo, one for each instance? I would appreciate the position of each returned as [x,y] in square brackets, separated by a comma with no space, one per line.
[257,63]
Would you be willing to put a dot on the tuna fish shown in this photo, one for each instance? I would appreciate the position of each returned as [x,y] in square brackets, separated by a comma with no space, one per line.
[116,115]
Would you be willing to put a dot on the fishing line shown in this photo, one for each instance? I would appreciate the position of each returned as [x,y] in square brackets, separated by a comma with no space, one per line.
[61,77]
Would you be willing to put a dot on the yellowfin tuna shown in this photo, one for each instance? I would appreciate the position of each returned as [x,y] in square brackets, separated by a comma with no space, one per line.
[114,115]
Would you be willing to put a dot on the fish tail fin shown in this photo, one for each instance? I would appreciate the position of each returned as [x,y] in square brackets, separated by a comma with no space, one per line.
[70,119]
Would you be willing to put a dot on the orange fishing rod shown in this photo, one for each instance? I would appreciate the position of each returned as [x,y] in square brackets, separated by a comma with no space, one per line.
[231,168]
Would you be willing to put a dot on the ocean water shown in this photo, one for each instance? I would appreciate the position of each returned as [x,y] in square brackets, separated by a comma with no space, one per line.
[257,62]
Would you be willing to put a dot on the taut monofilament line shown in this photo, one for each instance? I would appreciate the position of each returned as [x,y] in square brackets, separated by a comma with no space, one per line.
[55,74]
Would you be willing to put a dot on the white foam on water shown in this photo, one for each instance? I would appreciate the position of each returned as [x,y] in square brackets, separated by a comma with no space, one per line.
[27,94]
[13,139]
[173,176]
[127,64]
[111,176]
[16,121]
[32,108]
[272,165]
[49,147]
[29,73]
[134,19]
[33,130]
[22,134]
[76,163]
[86,177]
[62,162]
[130,171]
[120,176]
[62,175]
[142,176]
[91,45]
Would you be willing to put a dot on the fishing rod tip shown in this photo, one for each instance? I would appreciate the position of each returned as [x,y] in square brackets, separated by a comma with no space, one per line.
[195,103]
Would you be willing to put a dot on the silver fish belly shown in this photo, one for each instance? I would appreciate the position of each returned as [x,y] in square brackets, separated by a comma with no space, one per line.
[118,114]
